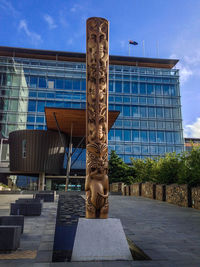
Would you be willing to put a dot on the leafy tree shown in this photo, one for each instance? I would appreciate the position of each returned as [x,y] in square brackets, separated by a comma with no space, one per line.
[168,168]
[189,172]
[118,171]
[145,169]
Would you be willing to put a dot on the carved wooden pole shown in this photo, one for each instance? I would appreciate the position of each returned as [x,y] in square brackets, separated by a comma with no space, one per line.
[97,60]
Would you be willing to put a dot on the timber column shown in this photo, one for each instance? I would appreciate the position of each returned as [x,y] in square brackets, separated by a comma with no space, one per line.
[97,60]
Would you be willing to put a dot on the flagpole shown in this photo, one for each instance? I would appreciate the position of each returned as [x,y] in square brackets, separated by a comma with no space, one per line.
[129,49]
[143,46]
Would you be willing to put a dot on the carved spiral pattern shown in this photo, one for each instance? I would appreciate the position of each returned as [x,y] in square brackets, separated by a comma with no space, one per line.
[97,60]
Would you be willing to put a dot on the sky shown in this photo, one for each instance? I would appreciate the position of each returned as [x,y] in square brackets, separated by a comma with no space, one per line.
[169,29]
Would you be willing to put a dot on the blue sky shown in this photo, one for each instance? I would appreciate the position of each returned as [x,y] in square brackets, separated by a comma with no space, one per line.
[170,29]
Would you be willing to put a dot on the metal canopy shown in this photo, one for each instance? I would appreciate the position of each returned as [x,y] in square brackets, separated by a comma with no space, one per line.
[75,119]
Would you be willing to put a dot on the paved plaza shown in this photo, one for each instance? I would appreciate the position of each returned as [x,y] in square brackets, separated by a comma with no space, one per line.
[169,234]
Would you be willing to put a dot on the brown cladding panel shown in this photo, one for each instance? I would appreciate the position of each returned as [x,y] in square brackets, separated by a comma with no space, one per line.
[41,151]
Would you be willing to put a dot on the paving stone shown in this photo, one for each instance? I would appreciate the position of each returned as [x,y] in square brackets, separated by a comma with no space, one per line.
[46,246]
[44,256]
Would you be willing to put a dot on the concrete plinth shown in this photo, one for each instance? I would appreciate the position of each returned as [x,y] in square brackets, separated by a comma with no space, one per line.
[100,239]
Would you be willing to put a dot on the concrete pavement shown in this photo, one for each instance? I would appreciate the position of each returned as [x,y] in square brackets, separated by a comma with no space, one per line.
[169,234]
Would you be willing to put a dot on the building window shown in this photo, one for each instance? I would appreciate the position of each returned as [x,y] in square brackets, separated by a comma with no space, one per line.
[40,106]
[151,111]
[160,137]
[152,136]
[118,87]
[68,84]
[134,88]
[76,84]
[111,86]
[33,82]
[135,136]
[127,135]
[158,89]
[127,87]
[59,83]
[83,85]
[111,135]
[127,111]
[32,106]
[143,136]
[24,148]
[143,89]
[118,135]
[30,119]
[150,89]
[42,82]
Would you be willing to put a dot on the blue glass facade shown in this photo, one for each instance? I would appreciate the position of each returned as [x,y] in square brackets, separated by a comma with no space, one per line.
[148,99]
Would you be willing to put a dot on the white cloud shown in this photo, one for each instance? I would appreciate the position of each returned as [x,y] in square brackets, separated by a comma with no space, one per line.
[50,21]
[75,8]
[193,130]
[8,7]
[186,48]
[34,37]
[70,41]
[185,70]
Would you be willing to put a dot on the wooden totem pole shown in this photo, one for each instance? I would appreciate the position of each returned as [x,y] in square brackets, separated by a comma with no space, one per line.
[97,60]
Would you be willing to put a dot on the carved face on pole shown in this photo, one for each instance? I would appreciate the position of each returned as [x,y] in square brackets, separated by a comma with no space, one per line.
[97,60]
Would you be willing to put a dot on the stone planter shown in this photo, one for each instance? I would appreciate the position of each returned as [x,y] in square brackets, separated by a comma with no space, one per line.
[195,193]
[117,188]
[135,189]
[149,190]
[127,190]
[161,192]
[179,195]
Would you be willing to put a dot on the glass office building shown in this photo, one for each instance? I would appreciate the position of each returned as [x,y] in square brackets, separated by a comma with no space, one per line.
[145,91]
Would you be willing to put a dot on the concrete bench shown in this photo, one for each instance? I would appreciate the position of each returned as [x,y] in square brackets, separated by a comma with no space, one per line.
[17,220]
[9,238]
[26,209]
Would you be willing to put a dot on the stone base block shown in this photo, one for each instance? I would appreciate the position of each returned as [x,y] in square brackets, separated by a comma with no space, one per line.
[17,220]
[9,238]
[135,189]
[149,190]
[26,209]
[178,194]
[100,240]
[196,197]
[161,192]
